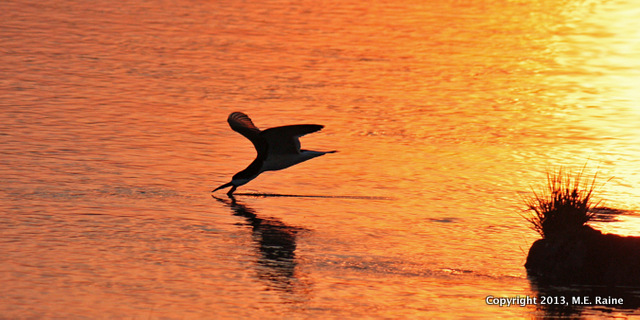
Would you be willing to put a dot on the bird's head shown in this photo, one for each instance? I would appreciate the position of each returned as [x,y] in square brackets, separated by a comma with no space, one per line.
[235,182]
[223,186]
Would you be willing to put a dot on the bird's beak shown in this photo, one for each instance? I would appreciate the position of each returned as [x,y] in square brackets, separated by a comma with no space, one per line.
[222,187]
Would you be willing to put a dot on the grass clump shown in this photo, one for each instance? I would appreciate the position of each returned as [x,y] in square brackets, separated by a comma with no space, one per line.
[565,204]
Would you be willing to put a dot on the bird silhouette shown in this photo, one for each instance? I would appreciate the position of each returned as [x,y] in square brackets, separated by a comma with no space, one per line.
[278,148]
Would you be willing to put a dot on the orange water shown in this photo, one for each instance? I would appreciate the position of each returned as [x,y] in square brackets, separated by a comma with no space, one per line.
[444,112]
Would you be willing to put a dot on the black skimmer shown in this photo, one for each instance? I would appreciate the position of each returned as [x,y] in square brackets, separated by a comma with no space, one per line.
[278,148]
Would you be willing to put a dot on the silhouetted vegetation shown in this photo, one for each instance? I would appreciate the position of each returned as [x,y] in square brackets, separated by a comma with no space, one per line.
[563,205]
[571,251]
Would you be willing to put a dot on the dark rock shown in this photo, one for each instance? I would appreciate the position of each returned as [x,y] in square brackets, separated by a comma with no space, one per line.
[586,256]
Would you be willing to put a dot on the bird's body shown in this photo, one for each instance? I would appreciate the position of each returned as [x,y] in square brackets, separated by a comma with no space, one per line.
[278,148]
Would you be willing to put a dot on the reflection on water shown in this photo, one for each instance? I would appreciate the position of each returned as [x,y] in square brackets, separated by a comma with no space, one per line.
[276,243]
[267,195]
[113,133]
[579,299]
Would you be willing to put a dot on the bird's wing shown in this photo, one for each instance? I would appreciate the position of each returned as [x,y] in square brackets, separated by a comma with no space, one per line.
[242,124]
[283,140]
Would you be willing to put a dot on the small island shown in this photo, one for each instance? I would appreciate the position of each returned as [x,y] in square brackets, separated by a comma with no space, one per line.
[571,251]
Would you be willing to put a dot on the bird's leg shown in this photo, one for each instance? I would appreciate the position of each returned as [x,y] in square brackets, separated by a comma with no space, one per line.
[230,193]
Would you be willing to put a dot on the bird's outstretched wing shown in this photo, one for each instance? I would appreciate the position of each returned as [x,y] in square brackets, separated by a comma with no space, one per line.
[284,140]
[242,124]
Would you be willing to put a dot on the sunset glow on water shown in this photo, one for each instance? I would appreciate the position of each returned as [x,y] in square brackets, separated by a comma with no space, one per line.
[444,115]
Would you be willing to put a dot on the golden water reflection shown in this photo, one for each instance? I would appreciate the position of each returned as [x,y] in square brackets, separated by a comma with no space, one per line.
[276,244]
[602,95]
[114,132]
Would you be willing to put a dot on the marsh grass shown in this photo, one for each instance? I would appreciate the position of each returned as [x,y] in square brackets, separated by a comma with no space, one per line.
[565,204]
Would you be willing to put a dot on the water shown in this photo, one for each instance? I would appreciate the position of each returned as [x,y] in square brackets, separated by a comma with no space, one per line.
[444,114]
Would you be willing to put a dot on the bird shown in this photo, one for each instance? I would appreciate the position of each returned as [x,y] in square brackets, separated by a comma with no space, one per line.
[278,148]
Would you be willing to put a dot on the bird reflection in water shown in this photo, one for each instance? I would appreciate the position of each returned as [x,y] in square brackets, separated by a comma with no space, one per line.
[276,243]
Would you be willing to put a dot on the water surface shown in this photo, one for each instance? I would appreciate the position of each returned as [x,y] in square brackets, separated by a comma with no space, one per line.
[444,114]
